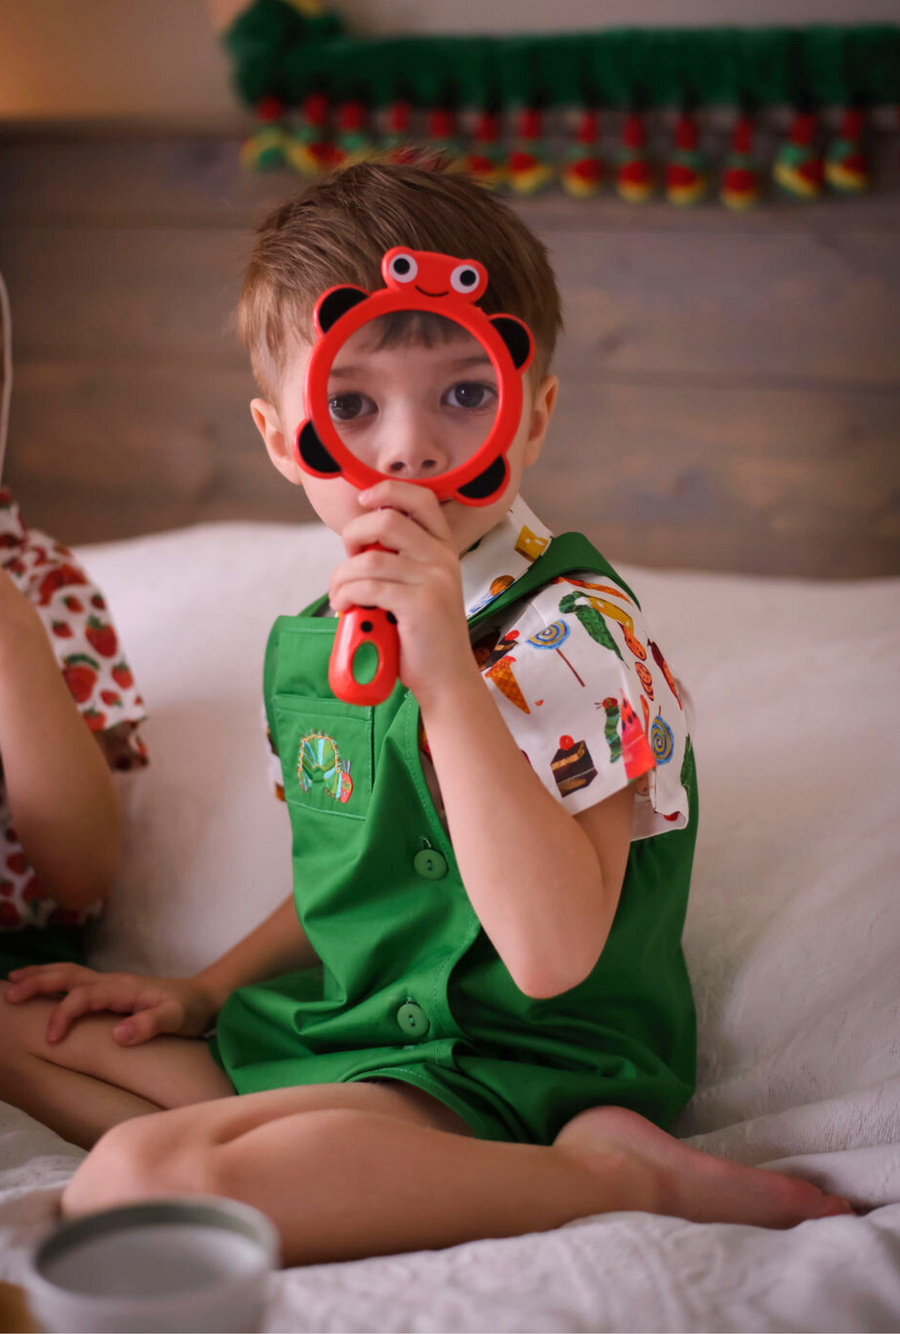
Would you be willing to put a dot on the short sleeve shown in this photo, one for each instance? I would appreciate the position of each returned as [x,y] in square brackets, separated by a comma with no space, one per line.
[590,699]
[82,633]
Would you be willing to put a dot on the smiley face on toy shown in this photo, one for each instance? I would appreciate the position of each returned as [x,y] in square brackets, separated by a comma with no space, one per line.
[444,412]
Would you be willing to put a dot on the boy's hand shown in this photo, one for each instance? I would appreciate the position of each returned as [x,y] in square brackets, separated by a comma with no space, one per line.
[155,1004]
[417,579]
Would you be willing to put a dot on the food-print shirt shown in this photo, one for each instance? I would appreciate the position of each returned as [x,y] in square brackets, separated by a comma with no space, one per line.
[581,683]
[99,678]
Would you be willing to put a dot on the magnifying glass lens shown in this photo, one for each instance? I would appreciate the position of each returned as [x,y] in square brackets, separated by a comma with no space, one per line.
[413,395]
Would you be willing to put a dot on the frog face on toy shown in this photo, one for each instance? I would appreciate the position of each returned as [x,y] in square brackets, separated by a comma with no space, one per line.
[427,396]
[432,275]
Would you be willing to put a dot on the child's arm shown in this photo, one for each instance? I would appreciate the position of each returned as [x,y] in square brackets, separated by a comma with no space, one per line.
[61,793]
[187,1006]
[545,885]
[277,945]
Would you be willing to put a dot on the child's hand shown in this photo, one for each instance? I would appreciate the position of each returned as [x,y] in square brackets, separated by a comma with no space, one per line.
[417,579]
[155,1004]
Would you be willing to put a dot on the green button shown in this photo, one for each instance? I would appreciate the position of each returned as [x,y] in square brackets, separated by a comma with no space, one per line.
[412,1019]
[430,864]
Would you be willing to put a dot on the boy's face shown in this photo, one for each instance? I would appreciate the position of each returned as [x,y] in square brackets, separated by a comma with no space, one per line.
[412,403]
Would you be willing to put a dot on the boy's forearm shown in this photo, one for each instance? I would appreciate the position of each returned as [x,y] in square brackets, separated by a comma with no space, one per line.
[277,945]
[61,794]
[531,872]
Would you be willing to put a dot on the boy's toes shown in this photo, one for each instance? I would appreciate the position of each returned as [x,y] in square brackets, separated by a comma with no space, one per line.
[835,1204]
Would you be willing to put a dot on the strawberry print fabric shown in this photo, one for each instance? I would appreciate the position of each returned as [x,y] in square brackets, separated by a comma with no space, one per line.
[98,675]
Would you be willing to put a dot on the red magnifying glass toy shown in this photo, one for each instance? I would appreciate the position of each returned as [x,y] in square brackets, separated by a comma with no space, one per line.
[412,381]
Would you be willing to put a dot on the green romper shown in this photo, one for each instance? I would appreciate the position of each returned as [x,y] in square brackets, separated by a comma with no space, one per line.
[409,986]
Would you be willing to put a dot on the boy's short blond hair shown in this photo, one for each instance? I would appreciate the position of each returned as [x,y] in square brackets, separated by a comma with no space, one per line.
[337,230]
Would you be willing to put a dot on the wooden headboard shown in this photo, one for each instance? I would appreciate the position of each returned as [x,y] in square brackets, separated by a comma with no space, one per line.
[730,394]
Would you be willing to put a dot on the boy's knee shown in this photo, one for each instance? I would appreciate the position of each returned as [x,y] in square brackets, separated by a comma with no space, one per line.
[316,1147]
[137,1160]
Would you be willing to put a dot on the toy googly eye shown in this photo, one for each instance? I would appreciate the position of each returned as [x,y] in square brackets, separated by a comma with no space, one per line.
[465,278]
[403,268]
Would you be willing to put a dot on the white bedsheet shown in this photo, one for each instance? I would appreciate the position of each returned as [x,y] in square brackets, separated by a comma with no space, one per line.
[792,937]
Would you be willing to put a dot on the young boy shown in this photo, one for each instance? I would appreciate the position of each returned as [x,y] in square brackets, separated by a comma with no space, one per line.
[482,1019]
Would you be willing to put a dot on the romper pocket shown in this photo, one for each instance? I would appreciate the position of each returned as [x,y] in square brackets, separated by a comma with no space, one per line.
[325,747]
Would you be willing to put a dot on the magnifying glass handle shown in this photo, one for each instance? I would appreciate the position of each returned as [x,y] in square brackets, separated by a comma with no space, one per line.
[358,626]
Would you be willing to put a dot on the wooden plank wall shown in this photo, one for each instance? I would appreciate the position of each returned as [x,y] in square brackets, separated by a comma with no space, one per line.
[730,384]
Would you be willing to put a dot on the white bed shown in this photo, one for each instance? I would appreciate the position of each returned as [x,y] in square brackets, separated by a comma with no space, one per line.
[792,938]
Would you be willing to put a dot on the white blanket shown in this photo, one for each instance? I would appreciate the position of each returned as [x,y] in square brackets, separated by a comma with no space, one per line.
[791,938]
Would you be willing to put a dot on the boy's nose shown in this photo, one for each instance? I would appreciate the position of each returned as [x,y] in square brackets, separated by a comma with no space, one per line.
[406,466]
[411,453]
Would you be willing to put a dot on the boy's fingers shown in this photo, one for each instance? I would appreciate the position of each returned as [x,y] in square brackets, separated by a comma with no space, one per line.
[61,969]
[51,979]
[398,532]
[391,597]
[166,1017]
[383,565]
[418,502]
[87,1000]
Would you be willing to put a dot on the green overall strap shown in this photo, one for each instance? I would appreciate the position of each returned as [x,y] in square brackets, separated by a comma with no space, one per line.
[567,552]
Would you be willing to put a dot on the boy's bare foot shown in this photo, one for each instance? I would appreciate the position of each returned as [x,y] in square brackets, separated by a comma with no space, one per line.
[692,1184]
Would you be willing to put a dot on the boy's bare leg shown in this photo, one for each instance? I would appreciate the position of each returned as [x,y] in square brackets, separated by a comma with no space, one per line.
[345,1181]
[86,1083]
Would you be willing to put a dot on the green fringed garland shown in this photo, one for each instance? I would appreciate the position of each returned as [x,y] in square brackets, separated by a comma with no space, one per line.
[285,48]
[290,56]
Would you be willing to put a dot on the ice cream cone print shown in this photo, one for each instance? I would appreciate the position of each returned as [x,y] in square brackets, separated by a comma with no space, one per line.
[502,676]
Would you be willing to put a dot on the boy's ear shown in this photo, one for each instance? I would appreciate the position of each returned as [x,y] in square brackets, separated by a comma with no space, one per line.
[541,412]
[278,447]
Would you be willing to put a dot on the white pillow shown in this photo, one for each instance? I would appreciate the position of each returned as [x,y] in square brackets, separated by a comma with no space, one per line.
[208,845]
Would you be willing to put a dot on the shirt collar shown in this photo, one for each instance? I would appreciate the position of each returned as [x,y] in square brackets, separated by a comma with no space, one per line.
[502,556]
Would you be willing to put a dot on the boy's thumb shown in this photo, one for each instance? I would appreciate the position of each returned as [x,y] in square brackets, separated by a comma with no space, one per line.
[140,1027]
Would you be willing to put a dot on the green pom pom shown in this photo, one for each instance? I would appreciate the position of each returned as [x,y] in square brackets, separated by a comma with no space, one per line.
[261,39]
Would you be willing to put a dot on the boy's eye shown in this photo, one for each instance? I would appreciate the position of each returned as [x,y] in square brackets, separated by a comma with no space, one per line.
[349,407]
[471,394]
